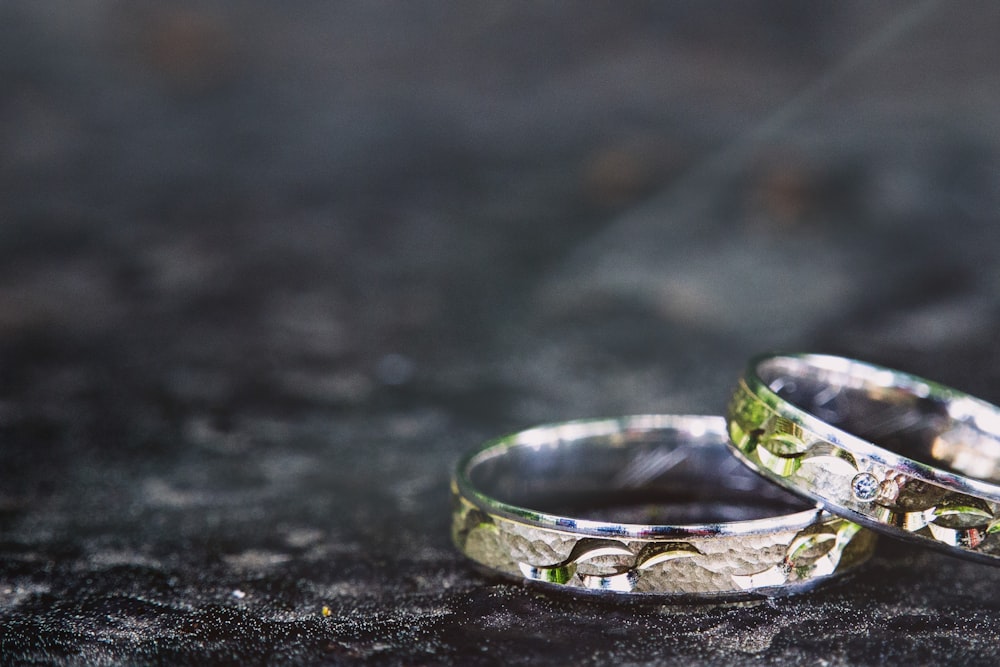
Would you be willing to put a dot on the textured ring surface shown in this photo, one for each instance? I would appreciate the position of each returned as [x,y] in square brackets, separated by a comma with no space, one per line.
[507,516]
[905,456]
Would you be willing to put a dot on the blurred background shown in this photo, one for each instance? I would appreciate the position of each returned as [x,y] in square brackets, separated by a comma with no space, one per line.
[267,269]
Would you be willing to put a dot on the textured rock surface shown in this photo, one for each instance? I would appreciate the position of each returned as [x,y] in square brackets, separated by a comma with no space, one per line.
[265,273]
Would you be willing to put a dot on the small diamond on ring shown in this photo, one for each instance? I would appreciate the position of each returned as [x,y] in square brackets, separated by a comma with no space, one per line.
[864,486]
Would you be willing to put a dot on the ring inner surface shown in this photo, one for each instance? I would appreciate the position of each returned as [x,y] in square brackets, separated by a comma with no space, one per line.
[961,436]
[656,477]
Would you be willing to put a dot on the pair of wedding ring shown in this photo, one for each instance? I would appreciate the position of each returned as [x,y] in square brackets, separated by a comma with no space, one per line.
[658,505]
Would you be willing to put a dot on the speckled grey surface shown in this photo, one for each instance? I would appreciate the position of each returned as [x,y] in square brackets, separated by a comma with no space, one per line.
[266,271]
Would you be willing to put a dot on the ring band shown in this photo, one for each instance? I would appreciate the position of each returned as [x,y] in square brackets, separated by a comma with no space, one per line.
[902,455]
[510,501]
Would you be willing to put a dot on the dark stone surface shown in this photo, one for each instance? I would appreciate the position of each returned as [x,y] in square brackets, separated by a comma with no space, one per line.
[267,270]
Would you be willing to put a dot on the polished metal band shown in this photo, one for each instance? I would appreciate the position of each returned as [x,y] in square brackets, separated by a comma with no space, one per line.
[680,462]
[902,455]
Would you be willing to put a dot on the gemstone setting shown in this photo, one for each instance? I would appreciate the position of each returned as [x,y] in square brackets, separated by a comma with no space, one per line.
[865,486]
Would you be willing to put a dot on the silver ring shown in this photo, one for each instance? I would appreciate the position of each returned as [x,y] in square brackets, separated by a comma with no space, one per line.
[902,455]
[540,506]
